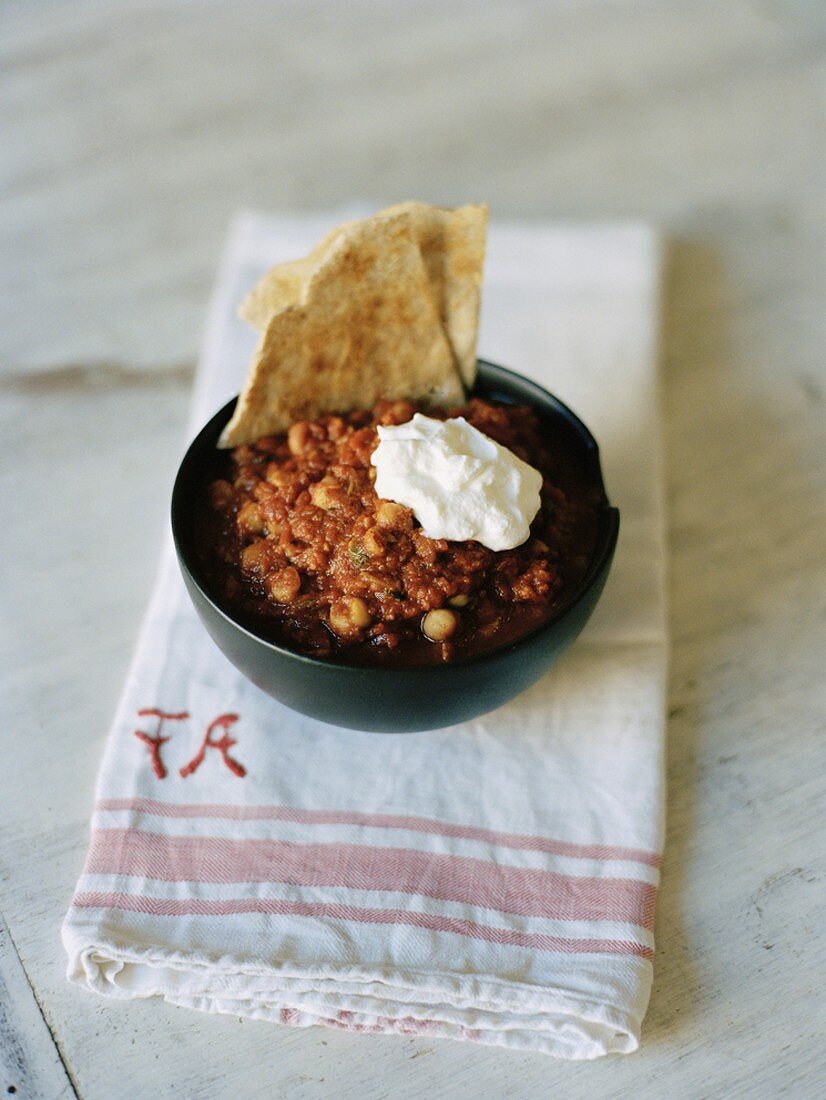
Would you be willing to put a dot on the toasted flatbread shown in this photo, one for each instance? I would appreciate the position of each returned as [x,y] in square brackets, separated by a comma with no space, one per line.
[284,285]
[452,244]
[367,328]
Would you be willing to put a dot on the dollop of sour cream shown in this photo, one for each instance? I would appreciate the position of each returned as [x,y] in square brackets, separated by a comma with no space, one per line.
[460,483]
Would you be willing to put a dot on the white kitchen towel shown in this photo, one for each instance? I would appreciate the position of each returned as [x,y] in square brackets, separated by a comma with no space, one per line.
[494,881]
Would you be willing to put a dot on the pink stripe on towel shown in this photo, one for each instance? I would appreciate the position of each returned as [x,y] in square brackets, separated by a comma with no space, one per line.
[525,891]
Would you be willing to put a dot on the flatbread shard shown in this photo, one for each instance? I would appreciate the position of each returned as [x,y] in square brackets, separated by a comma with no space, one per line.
[367,328]
[452,245]
[285,284]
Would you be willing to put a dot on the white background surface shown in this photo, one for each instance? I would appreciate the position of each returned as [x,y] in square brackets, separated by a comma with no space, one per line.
[130,131]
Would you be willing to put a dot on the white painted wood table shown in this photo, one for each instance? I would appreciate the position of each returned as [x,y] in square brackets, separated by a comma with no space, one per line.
[130,131]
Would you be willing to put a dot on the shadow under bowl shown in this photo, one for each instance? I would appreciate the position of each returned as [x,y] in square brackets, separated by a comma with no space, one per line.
[405,699]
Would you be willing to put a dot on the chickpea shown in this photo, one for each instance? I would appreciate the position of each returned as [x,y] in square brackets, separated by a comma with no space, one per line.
[372,543]
[390,514]
[439,625]
[349,616]
[254,557]
[285,586]
[326,494]
[398,412]
[298,436]
[277,476]
[335,428]
[359,615]
[244,455]
[460,600]
[250,520]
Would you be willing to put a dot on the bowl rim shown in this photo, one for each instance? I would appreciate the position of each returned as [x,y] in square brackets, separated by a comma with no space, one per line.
[607,534]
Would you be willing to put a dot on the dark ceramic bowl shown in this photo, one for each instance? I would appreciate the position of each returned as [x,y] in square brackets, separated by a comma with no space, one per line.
[402,700]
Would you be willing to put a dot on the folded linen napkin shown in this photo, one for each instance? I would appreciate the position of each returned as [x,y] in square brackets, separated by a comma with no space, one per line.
[494,881]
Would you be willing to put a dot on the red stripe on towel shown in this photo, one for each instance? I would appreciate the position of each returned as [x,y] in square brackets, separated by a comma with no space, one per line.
[201,907]
[523,890]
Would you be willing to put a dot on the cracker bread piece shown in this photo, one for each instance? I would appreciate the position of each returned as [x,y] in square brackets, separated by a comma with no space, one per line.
[368,328]
[452,244]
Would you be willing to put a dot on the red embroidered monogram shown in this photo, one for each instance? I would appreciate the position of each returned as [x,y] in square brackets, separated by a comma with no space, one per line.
[154,741]
[223,744]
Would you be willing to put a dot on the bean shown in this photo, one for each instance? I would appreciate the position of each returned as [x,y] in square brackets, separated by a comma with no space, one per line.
[439,625]
[277,476]
[254,557]
[326,494]
[285,586]
[298,436]
[349,616]
[372,543]
[399,412]
[250,520]
[390,514]
[359,615]
[335,428]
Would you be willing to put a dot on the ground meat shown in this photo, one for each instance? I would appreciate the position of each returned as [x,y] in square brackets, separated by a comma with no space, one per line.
[295,541]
